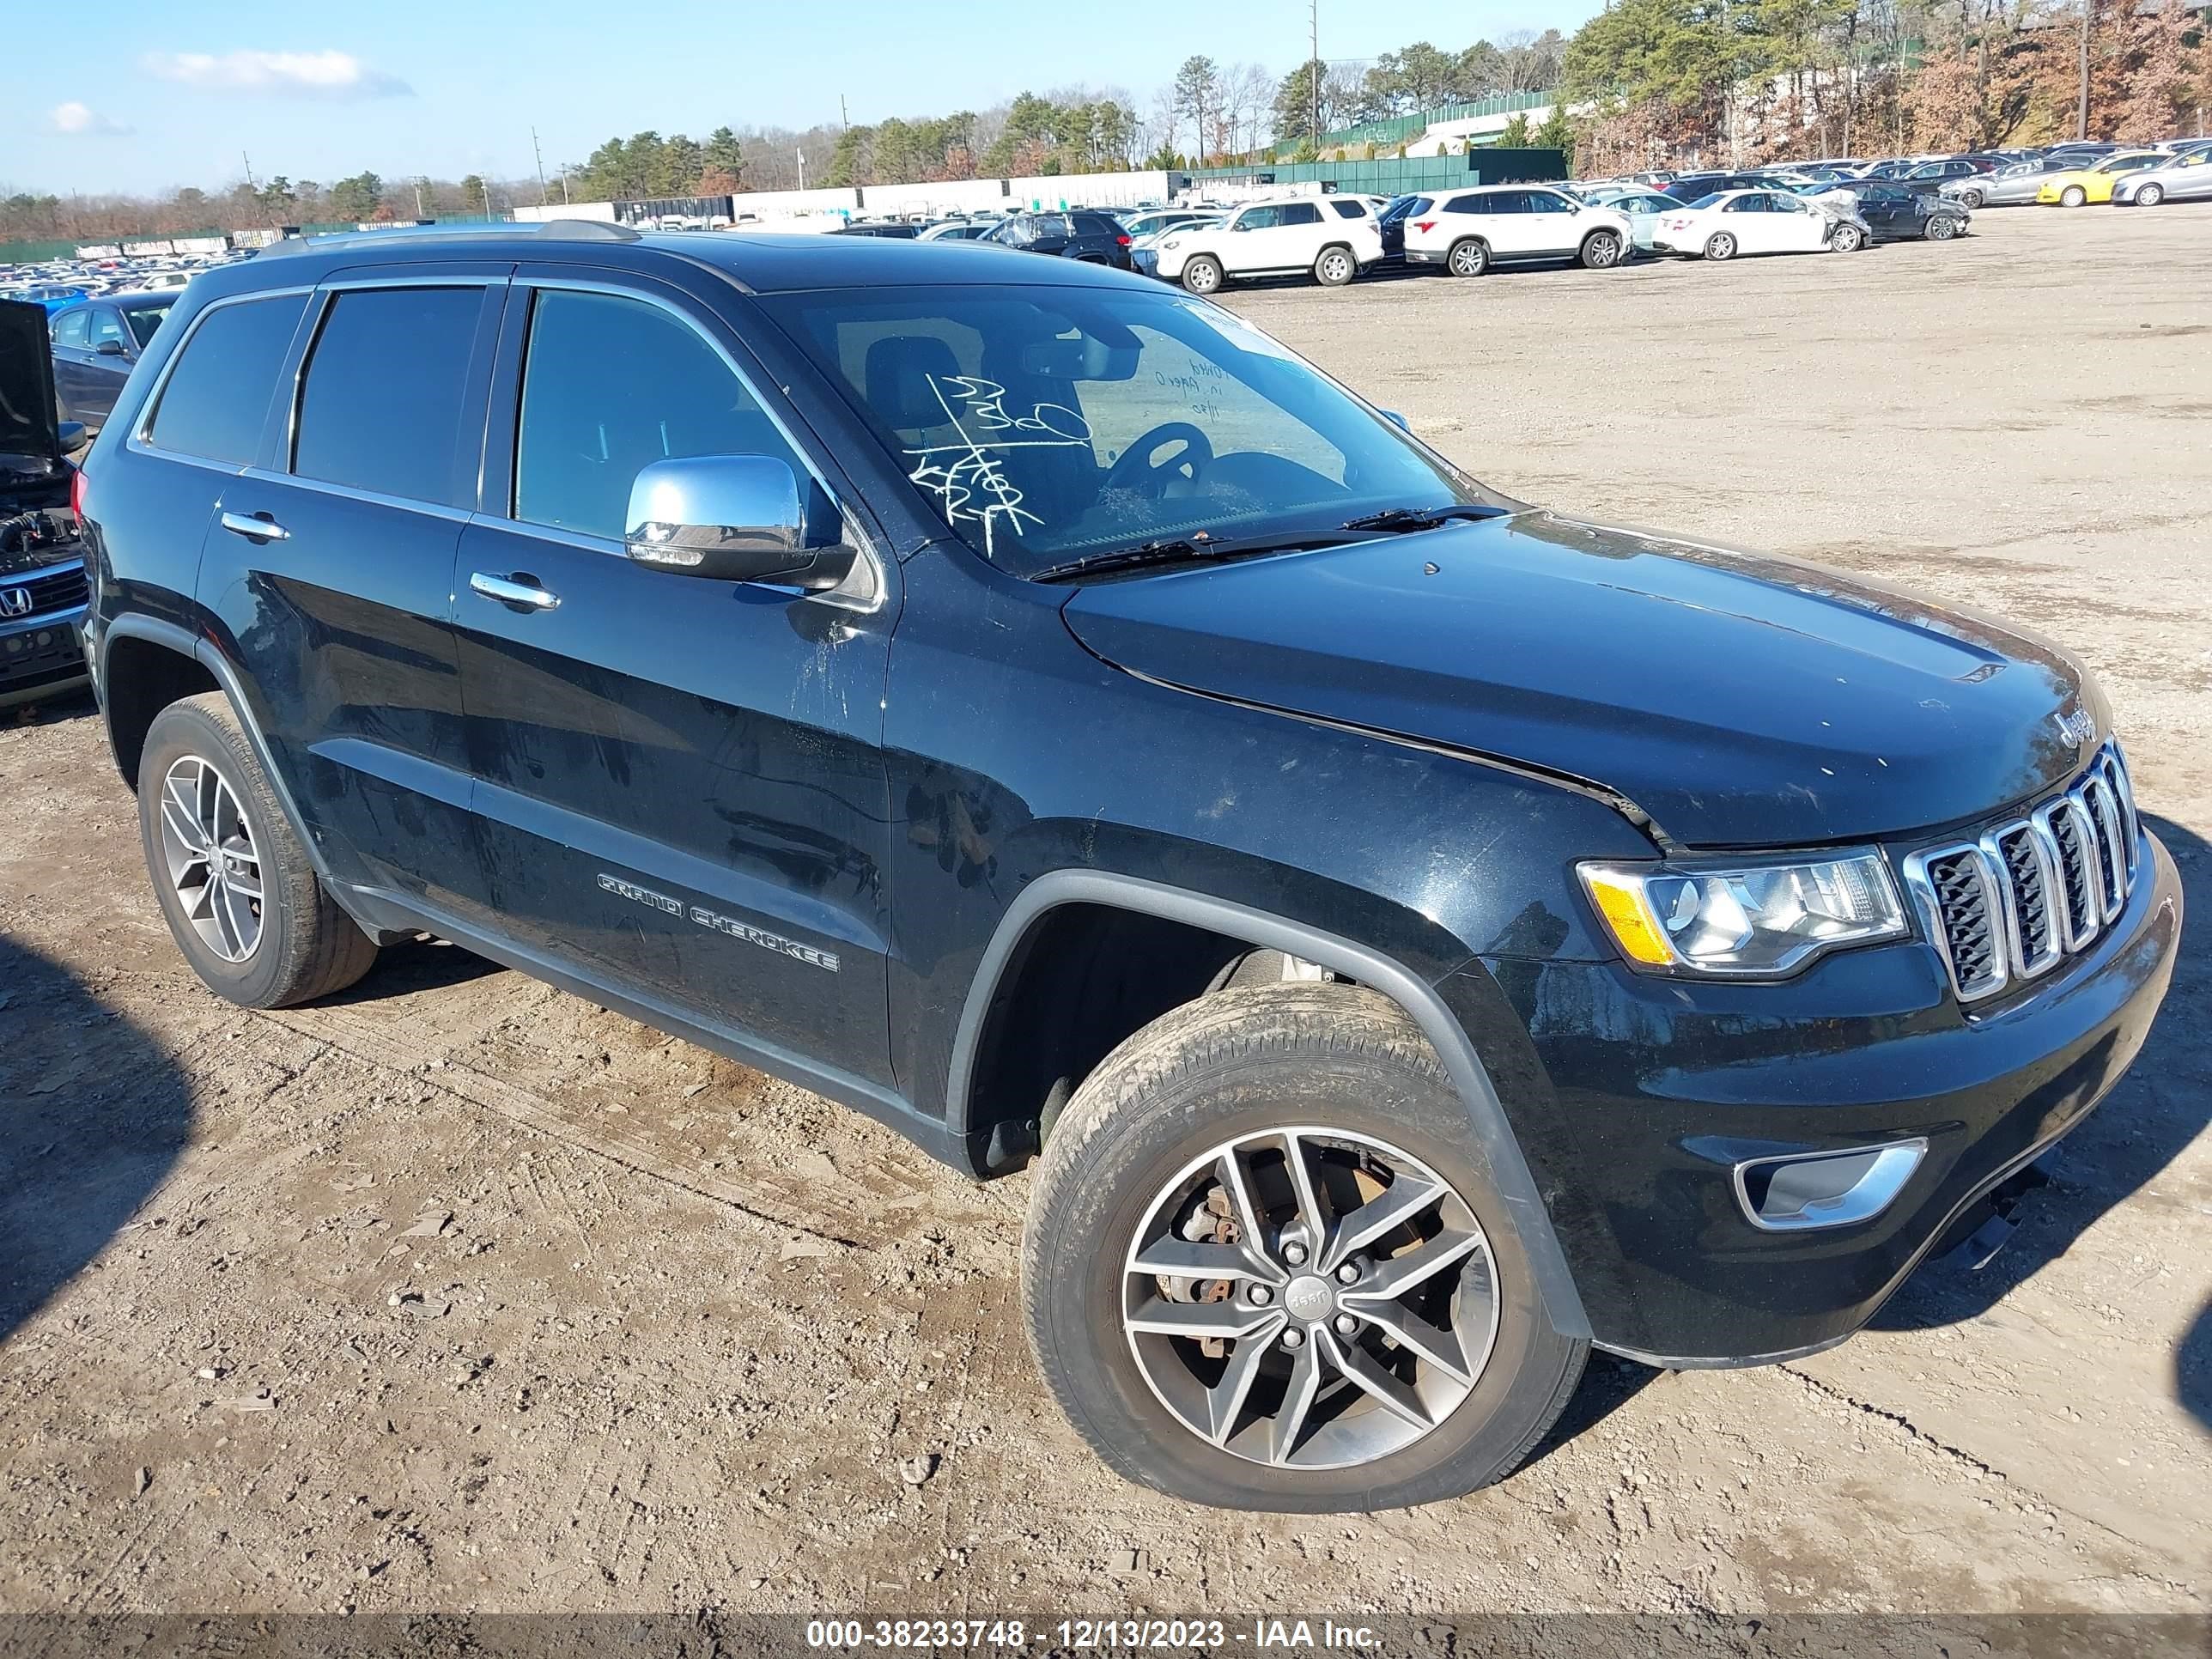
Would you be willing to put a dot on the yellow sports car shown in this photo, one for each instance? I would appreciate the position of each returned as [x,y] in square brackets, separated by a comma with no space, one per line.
[2094,184]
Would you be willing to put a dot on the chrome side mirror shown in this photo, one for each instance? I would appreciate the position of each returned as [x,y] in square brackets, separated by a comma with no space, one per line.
[734,518]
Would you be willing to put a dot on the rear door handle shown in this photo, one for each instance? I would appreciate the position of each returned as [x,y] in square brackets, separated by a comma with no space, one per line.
[257,527]
[520,589]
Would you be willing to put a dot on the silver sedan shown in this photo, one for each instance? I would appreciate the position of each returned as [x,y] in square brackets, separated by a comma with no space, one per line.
[2186,178]
[2012,186]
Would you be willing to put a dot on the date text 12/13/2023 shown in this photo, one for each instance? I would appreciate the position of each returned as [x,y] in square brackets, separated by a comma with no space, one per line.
[981,1635]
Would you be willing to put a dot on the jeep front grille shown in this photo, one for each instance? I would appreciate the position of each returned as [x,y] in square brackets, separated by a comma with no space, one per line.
[2031,891]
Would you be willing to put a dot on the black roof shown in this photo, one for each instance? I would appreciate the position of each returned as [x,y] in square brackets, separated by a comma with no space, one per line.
[755,261]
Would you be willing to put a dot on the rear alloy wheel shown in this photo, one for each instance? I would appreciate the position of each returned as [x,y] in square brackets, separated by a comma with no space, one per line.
[1720,246]
[1265,1267]
[1334,268]
[1941,228]
[1202,275]
[2150,196]
[2073,195]
[1847,239]
[1467,258]
[1601,250]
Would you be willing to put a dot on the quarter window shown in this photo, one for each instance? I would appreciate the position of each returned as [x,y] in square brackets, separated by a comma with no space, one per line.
[216,400]
[385,394]
[69,326]
[609,385]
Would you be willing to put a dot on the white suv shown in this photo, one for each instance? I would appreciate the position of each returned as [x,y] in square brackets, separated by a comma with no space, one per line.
[1469,231]
[1334,237]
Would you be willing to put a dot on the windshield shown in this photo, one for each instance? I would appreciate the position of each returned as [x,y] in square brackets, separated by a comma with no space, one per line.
[145,318]
[1047,424]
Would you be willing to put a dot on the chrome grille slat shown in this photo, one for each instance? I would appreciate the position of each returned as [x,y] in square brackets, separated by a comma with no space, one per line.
[2031,891]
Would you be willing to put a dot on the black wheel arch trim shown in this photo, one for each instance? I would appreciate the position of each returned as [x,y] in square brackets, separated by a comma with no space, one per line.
[1493,1133]
[202,651]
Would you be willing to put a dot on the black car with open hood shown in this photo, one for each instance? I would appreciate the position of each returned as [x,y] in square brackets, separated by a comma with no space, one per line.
[42,579]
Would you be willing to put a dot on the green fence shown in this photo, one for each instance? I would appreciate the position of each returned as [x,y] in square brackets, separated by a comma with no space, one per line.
[1395,177]
[65,248]
[1404,129]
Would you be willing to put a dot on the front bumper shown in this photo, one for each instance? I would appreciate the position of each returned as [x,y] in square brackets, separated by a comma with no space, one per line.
[42,654]
[1657,1089]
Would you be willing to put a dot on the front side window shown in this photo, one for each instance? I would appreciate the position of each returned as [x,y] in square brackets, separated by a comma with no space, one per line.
[609,385]
[1260,218]
[105,325]
[217,399]
[144,321]
[383,404]
[1043,425]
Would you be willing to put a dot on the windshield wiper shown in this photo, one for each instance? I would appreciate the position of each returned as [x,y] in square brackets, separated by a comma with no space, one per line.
[1423,518]
[1198,550]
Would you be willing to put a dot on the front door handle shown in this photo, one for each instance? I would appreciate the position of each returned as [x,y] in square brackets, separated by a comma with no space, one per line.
[520,589]
[255,527]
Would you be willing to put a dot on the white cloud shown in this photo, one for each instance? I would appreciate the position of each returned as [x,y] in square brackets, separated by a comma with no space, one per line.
[333,75]
[74,117]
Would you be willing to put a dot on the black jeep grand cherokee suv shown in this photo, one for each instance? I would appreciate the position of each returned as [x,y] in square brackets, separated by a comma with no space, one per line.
[1417,936]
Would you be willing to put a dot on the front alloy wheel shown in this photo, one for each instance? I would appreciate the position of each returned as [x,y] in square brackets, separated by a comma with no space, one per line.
[2150,196]
[2073,195]
[1309,1298]
[1941,230]
[1266,1267]
[1202,275]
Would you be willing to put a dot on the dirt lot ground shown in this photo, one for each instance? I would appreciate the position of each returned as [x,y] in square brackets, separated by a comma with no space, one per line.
[461,1293]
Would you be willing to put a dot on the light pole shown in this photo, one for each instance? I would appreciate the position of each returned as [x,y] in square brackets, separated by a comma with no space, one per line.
[801,155]
[1313,74]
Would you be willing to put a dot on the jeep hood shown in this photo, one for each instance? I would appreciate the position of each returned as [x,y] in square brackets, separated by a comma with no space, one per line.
[30,424]
[1738,699]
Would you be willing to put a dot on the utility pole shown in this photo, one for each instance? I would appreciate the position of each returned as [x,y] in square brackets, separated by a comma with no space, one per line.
[2081,115]
[801,155]
[1313,75]
[544,195]
[418,197]
[844,117]
[248,159]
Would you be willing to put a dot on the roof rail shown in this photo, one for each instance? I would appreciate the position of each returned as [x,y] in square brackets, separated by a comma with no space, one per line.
[548,230]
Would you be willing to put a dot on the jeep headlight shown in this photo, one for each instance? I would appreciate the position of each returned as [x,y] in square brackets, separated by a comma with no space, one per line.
[1744,919]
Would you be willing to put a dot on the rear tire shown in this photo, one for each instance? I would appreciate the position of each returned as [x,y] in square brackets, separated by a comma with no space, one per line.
[1847,239]
[1339,1079]
[1467,257]
[1720,245]
[1335,267]
[233,883]
[1602,251]
[1202,275]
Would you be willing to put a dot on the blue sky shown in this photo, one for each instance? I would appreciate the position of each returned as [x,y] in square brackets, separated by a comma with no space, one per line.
[151,94]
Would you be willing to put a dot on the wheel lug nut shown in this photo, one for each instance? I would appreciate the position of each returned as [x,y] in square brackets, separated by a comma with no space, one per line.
[1347,1274]
[1260,1296]
[1294,1338]
[1294,1253]
[1346,1324]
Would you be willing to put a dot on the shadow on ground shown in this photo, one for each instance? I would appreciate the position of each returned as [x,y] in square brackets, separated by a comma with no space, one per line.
[93,1114]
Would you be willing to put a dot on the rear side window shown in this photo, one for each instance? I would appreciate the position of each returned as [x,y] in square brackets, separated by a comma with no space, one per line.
[1350,209]
[1301,213]
[384,400]
[609,385]
[69,326]
[217,398]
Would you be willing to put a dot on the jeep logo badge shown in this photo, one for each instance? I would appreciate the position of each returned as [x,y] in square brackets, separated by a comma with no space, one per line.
[2074,727]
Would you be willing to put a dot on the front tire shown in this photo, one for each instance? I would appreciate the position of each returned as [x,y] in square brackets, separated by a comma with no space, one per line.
[1202,275]
[2073,195]
[2150,195]
[1265,1267]
[1941,230]
[1601,250]
[233,883]
[1970,200]
[1720,245]
[1467,258]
